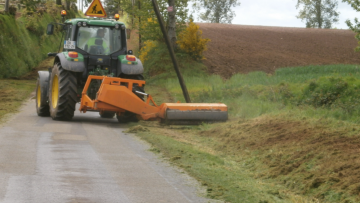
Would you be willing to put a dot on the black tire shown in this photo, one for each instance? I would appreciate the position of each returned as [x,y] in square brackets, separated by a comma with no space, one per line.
[62,93]
[129,116]
[42,106]
[107,114]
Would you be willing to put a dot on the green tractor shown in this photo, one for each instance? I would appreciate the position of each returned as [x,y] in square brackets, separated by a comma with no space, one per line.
[91,46]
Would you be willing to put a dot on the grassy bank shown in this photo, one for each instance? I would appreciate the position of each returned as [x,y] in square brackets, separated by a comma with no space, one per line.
[13,92]
[23,42]
[292,136]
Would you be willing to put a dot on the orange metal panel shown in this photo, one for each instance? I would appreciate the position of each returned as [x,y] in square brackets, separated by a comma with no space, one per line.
[112,96]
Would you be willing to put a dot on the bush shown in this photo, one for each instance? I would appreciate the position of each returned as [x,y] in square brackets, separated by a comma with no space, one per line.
[145,49]
[325,91]
[191,41]
[12,10]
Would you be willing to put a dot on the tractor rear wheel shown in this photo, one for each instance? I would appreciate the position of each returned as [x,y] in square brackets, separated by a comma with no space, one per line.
[42,107]
[62,93]
[107,114]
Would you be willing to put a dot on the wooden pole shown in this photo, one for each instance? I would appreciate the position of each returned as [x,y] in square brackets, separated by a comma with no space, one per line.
[171,51]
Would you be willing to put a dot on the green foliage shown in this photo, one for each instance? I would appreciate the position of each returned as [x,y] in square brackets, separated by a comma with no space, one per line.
[22,46]
[143,19]
[356,25]
[113,7]
[191,41]
[217,11]
[318,13]
[316,91]
[158,61]
[144,52]
[30,5]
[324,92]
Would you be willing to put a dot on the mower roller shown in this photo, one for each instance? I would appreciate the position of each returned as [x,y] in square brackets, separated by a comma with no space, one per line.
[96,69]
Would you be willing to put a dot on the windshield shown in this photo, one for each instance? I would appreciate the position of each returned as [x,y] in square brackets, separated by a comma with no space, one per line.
[99,40]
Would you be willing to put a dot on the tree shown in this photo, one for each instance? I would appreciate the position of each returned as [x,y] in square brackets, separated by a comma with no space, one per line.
[217,11]
[6,6]
[112,7]
[148,26]
[318,13]
[356,25]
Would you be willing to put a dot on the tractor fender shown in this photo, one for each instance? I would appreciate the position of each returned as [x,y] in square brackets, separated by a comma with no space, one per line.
[44,82]
[130,69]
[73,66]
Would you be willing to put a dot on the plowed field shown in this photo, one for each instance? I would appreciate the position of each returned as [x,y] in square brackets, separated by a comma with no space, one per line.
[242,49]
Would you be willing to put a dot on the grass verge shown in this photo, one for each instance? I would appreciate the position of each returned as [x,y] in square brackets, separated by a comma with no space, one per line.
[13,92]
[291,134]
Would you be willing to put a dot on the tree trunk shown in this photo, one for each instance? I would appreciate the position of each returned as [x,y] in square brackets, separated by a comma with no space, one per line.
[139,27]
[172,24]
[67,4]
[319,16]
[6,6]
[58,2]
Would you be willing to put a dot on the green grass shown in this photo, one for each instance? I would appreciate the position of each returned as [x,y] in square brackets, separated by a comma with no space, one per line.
[316,97]
[12,95]
[23,42]
[223,178]
[257,93]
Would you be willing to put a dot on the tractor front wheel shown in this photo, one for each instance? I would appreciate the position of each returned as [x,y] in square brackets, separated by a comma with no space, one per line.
[107,114]
[42,107]
[62,93]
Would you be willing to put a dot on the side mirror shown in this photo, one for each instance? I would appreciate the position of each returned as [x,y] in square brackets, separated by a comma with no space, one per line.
[128,32]
[130,52]
[50,29]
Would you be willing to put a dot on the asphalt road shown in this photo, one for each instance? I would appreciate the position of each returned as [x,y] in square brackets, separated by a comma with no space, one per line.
[86,160]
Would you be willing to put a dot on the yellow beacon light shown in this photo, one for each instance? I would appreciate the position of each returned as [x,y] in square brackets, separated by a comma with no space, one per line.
[117,16]
[63,13]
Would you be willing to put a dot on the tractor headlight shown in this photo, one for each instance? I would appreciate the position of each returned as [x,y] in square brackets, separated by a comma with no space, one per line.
[79,24]
[84,24]
[123,27]
[117,26]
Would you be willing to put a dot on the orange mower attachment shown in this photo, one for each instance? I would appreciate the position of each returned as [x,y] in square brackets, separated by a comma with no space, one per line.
[115,94]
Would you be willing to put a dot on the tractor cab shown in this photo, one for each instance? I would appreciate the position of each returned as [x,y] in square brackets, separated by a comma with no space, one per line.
[93,39]
[96,46]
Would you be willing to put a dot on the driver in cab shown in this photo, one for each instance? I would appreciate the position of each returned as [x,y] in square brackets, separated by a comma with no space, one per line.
[97,44]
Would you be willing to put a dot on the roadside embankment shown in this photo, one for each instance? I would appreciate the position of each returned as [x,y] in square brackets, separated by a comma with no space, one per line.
[23,41]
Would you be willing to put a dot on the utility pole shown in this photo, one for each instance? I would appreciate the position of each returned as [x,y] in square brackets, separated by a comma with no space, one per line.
[171,51]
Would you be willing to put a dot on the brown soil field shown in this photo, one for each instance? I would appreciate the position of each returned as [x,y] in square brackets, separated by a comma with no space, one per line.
[243,48]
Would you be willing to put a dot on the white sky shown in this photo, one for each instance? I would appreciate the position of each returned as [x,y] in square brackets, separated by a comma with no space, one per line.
[281,13]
